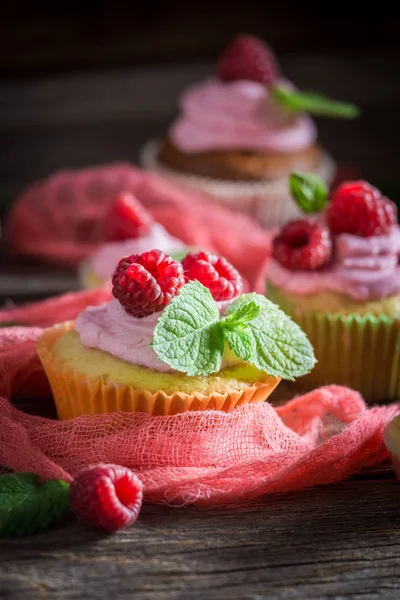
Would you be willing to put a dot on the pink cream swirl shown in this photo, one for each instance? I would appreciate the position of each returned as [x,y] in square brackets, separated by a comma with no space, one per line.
[105,260]
[364,269]
[241,115]
[110,328]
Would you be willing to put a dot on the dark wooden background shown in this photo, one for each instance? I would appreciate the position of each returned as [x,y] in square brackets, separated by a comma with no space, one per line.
[85,86]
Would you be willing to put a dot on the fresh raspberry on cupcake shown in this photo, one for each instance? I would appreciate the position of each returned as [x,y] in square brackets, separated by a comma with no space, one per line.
[303,245]
[127,219]
[248,58]
[146,283]
[215,273]
[359,208]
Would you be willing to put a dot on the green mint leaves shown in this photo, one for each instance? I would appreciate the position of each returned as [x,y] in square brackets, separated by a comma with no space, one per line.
[309,191]
[27,506]
[315,104]
[187,336]
[190,335]
[280,347]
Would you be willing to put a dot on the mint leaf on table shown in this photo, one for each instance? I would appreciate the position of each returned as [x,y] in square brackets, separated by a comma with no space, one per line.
[187,336]
[315,104]
[309,192]
[279,346]
[27,506]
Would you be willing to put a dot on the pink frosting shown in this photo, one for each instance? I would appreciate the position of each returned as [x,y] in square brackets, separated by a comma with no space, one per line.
[237,116]
[363,269]
[104,261]
[110,328]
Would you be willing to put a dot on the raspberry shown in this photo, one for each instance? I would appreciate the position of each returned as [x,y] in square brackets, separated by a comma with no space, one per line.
[303,245]
[145,283]
[107,497]
[127,219]
[215,273]
[248,57]
[359,208]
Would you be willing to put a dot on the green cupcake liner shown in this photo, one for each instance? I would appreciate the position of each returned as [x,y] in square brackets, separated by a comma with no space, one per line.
[359,351]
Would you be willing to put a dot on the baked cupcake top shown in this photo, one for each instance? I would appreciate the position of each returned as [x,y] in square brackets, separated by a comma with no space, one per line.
[130,229]
[247,105]
[191,317]
[353,249]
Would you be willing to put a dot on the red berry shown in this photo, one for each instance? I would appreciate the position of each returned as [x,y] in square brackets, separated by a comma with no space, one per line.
[146,283]
[107,497]
[127,219]
[248,57]
[359,208]
[215,273]
[303,245]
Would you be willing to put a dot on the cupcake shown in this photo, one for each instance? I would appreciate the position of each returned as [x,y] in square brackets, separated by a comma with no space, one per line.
[241,132]
[130,229]
[339,277]
[176,336]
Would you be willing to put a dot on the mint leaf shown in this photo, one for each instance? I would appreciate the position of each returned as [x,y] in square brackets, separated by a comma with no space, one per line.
[280,347]
[187,336]
[309,191]
[315,104]
[27,507]
[241,316]
[241,342]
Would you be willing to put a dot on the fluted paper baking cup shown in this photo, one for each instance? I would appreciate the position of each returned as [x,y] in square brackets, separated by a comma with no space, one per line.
[269,202]
[359,351]
[76,394]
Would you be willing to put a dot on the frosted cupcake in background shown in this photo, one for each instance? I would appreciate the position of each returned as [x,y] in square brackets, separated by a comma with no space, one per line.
[339,278]
[240,133]
[130,229]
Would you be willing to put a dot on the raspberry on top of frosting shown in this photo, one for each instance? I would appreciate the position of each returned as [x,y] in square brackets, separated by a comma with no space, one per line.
[356,253]
[249,106]
[145,283]
[127,219]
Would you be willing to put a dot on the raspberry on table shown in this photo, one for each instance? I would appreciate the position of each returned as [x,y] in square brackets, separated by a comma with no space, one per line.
[215,273]
[358,208]
[248,57]
[303,245]
[107,497]
[146,283]
[127,219]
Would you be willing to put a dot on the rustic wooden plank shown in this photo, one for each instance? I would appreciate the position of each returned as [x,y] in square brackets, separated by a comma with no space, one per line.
[335,542]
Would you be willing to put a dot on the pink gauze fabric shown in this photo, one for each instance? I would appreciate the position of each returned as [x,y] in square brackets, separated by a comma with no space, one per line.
[62,217]
[206,458]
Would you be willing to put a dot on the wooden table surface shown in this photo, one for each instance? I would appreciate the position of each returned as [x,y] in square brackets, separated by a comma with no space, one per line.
[334,542]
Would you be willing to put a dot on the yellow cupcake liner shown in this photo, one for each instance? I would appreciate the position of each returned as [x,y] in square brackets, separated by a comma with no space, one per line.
[76,394]
[359,351]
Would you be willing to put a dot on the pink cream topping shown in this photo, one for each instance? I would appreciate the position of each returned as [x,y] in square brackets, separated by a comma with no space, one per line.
[363,269]
[239,115]
[110,328]
[104,261]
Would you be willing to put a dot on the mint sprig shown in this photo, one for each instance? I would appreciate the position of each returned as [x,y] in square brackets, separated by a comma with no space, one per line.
[280,347]
[187,337]
[312,103]
[190,335]
[27,506]
[309,192]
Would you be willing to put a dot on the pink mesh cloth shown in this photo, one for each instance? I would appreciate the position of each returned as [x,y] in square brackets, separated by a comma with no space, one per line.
[203,458]
[62,218]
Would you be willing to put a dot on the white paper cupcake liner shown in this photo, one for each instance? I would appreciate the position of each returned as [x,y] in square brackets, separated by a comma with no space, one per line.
[269,202]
